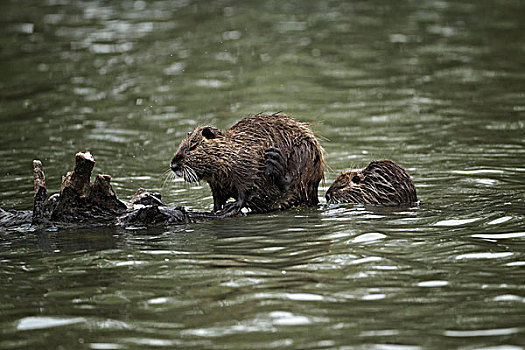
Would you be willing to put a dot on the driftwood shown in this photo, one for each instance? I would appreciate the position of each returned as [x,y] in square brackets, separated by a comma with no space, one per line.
[81,203]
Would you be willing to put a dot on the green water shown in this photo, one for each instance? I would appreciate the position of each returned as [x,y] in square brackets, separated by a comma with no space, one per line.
[437,86]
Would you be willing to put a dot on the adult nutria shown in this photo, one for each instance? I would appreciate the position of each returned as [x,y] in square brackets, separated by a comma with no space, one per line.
[382,182]
[264,162]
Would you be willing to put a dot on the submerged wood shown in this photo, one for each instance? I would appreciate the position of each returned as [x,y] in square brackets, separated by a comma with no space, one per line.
[82,203]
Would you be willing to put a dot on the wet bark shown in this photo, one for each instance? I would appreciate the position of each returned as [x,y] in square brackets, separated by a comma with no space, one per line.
[82,203]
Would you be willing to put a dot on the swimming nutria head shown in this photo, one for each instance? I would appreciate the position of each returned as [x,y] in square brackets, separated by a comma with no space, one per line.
[199,154]
[382,182]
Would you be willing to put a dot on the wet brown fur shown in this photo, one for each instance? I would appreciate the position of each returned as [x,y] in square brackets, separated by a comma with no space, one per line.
[382,182]
[232,162]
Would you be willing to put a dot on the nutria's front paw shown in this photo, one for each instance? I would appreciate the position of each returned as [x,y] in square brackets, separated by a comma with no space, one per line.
[274,162]
[232,208]
[275,165]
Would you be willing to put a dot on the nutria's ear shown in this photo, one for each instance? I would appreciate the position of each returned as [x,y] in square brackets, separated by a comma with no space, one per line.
[208,133]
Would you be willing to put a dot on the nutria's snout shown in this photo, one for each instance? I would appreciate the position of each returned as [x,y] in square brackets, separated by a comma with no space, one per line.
[175,167]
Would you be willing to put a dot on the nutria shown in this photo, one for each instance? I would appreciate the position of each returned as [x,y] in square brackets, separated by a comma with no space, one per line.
[263,162]
[382,182]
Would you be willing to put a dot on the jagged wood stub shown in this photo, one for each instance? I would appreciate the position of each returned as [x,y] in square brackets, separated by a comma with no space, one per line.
[81,203]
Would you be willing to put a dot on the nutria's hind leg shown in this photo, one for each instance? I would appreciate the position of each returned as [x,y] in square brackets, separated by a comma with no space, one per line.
[275,168]
[313,198]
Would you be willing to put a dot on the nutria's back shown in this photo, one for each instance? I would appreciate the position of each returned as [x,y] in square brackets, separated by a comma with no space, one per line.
[233,162]
[382,182]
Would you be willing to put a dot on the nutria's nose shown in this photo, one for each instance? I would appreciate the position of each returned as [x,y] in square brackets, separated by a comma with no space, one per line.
[175,167]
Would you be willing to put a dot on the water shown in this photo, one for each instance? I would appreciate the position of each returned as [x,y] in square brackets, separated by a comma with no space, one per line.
[437,86]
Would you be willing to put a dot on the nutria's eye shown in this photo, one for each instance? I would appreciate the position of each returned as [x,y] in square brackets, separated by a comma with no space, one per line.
[356,179]
[208,133]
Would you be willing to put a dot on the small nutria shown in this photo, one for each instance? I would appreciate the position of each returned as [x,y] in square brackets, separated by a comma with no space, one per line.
[382,182]
[263,162]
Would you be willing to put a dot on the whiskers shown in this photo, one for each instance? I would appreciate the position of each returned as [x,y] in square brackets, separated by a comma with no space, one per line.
[189,175]
[169,176]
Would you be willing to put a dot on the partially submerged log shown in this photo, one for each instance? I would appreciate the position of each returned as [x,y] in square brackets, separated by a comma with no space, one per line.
[12,218]
[81,203]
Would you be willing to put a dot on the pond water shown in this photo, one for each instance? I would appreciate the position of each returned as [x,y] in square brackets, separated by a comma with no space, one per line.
[437,86]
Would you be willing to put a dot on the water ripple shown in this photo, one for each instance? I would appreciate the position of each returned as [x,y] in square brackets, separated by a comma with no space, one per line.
[30,323]
[482,332]
[484,255]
